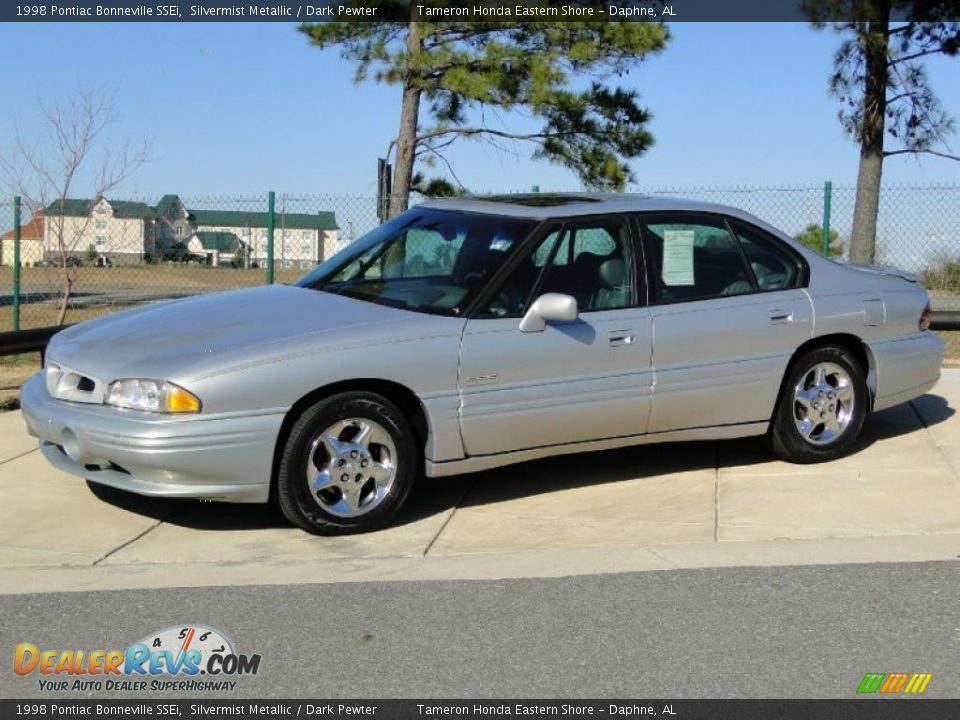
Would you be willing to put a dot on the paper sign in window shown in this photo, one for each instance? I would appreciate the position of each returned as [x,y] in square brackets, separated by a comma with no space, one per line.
[677,258]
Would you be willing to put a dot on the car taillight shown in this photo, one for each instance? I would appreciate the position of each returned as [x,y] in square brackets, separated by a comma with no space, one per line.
[925,318]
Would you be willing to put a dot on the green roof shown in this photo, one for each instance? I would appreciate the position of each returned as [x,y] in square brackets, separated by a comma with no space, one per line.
[222,241]
[242,218]
[71,207]
[80,207]
[130,209]
[169,205]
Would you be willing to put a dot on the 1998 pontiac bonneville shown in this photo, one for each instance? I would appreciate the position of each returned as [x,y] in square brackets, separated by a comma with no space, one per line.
[468,334]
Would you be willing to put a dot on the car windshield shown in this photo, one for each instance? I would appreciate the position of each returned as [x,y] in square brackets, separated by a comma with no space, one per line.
[431,261]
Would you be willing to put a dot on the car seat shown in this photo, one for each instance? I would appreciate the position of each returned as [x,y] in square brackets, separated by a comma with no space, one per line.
[615,290]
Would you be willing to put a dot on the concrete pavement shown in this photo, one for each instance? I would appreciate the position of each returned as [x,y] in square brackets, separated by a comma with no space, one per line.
[648,508]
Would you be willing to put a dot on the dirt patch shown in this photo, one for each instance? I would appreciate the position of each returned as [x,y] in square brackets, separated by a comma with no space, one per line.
[14,371]
[101,290]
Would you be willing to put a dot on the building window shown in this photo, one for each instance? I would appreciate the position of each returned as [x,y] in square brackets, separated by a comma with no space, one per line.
[306,236]
[100,224]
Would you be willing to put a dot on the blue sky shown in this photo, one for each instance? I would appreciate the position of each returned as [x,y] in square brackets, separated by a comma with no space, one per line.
[241,108]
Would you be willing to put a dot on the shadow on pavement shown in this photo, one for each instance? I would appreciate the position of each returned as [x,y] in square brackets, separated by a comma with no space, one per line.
[431,496]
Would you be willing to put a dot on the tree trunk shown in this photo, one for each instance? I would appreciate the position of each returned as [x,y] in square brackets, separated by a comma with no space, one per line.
[864,234]
[407,137]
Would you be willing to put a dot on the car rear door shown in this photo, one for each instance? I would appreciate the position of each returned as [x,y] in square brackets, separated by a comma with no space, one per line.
[728,310]
[572,382]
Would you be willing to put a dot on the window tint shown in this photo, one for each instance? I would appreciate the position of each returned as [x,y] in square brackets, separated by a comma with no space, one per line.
[772,266]
[694,260]
[426,253]
[594,264]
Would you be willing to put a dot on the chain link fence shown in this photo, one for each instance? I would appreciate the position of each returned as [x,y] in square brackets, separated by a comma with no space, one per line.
[918,227]
[81,258]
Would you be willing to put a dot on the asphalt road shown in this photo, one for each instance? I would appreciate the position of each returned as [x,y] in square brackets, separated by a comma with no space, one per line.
[810,631]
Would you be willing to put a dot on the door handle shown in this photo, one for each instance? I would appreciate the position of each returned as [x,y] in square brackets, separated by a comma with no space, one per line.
[781,317]
[621,337]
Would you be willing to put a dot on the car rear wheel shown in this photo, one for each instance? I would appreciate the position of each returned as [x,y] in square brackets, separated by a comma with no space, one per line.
[347,466]
[821,408]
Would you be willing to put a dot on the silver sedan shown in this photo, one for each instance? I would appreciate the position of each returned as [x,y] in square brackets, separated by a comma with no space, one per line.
[469,334]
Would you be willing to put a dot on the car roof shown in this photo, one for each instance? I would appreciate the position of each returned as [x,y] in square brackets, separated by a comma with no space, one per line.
[561,205]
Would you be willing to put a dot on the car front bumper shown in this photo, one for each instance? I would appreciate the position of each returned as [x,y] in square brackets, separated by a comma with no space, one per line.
[225,457]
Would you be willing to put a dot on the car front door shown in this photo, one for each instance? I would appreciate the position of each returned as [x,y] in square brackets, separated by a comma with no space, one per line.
[572,381]
[728,311]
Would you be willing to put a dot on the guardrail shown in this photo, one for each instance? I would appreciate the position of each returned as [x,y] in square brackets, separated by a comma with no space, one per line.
[945,320]
[17,342]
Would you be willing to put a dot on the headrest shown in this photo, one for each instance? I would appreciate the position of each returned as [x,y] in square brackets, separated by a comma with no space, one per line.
[613,272]
[587,258]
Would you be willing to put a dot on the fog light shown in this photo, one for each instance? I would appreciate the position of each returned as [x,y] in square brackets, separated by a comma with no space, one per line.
[70,444]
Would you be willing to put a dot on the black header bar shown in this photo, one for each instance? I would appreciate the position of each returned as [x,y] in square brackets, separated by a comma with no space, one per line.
[427,10]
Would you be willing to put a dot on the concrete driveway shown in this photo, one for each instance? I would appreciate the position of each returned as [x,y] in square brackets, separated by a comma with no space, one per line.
[654,507]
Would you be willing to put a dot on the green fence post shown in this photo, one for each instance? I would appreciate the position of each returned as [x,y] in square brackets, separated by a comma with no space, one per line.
[825,239]
[271,201]
[16,263]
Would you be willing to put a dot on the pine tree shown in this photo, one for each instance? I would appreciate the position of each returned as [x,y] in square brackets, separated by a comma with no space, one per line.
[465,77]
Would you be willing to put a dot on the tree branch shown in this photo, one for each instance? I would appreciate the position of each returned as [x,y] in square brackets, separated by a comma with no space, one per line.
[914,56]
[488,131]
[948,156]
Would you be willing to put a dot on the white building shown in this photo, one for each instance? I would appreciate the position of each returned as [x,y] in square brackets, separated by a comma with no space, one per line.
[130,232]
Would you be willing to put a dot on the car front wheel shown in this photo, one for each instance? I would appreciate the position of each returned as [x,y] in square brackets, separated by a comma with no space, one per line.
[822,407]
[347,466]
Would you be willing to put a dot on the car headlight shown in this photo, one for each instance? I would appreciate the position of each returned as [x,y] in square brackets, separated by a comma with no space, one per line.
[151,396]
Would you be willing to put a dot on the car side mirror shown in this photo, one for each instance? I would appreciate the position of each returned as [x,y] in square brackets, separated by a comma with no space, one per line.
[549,307]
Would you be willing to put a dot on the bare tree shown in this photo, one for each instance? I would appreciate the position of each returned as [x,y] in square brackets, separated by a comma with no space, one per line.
[45,171]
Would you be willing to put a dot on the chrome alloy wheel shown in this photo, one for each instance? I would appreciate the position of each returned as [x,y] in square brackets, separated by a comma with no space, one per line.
[351,467]
[823,403]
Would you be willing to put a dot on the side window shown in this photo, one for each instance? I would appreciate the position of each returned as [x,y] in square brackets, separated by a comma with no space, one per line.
[593,263]
[773,267]
[694,260]
[541,256]
[512,295]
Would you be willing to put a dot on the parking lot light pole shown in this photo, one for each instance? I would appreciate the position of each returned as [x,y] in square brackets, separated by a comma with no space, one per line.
[825,238]
[271,202]
[16,263]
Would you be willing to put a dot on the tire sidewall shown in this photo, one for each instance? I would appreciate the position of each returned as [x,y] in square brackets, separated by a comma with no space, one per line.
[788,441]
[292,483]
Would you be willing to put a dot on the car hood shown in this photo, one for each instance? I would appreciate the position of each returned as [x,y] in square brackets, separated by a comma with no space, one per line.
[201,334]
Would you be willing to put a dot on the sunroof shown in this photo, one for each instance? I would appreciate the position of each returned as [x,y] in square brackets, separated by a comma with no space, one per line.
[539,199]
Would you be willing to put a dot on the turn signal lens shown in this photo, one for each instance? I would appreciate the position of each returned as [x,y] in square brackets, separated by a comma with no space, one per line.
[180,400]
[926,317]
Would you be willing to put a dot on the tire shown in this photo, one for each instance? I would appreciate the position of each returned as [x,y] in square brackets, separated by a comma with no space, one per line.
[347,465]
[819,415]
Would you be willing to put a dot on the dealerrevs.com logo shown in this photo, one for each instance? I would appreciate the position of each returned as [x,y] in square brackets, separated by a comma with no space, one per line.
[183,658]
